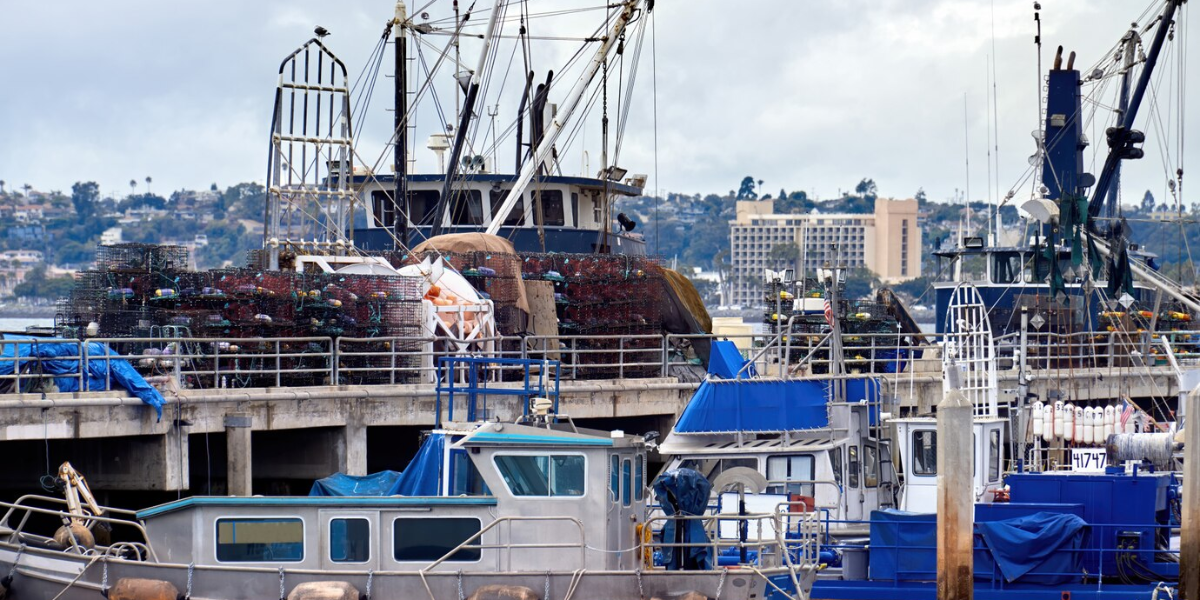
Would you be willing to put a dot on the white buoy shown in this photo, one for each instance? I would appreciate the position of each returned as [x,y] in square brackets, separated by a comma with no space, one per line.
[1110,415]
[1089,422]
[1079,424]
[1048,423]
[1068,430]
[1060,421]
[1035,411]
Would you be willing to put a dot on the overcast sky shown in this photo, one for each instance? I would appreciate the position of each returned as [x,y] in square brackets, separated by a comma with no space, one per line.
[801,94]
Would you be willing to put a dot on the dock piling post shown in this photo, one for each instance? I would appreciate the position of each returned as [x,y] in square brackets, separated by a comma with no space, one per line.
[237,446]
[1189,525]
[955,495]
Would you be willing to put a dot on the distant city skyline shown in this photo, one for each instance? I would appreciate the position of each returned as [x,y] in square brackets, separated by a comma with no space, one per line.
[800,95]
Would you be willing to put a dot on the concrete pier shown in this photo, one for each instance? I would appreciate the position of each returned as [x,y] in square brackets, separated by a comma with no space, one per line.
[238,453]
[955,498]
[1189,530]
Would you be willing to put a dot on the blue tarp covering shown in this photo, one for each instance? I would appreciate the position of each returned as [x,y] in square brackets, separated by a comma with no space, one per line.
[60,358]
[755,405]
[684,492]
[382,483]
[1040,542]
[725,360]
[903,546]
[424,472]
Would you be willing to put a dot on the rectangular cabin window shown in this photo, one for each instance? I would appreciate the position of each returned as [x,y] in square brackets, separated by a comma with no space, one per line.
[349,540]
[574,209]
[852,466]
[543,475]
[994,454]
[516,216]
[835,463]
[782,471]
[550,203]
[627,482]
[260,540]
[383,209]
[465,479]
[468,208]
[1006,267]
[426,539]
[639,479]
[924,452]
[614,477]
[421,205]
[870,465]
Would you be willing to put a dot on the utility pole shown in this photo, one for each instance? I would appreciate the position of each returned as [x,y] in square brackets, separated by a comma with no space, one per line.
[955,496]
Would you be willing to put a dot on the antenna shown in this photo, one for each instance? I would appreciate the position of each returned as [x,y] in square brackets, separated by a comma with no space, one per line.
[967,159]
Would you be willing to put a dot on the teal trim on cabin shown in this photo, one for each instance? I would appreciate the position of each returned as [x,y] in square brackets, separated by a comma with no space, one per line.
[382,502]
[519,438]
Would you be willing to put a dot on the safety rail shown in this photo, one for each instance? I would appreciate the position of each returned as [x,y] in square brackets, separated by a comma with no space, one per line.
[509,545]
[18,533]
[784,538]
[214,363]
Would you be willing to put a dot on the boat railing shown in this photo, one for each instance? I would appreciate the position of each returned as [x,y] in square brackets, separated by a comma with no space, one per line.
[836,507]
[507,545]
[786,537]
[22,507]
[216,363]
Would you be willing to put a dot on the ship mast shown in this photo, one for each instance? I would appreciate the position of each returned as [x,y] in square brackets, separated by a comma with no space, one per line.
[546,144]
[400,170]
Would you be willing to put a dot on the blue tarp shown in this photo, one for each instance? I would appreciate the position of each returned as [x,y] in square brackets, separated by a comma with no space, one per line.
[382,483]
[755,406]
[725,360]
[60,358]
[903,546]
[424,472]
[684,492]
[1041,542]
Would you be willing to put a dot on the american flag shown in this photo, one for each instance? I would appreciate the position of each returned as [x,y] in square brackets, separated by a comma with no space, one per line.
[829,312]
[1127,410]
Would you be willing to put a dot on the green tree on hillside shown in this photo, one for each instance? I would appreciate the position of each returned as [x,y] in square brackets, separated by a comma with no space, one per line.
[84,197]
[746,191]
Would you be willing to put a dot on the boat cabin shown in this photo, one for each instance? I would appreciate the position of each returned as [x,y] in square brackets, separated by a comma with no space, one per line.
[512,497]
[570,209]
[916,441]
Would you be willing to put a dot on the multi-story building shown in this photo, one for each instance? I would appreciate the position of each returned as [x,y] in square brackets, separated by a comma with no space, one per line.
[888,242]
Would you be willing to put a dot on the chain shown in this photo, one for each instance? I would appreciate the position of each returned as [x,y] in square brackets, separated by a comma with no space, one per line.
[370,579]
[641,591]
[104,573]
[187,595]
[282,596]
[17,560]
[721,582]
[546,595]
[461,595]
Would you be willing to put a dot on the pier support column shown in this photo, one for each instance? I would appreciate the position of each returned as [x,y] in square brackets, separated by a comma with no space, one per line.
[955,495]
[237,445]
[352,449]
[1189,526]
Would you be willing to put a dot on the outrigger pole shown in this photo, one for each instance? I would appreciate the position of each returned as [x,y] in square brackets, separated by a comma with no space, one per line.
[556,126]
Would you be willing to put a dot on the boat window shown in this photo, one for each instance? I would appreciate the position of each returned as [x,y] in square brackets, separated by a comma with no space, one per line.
[994,450]
[574,209]
[430,538]
[542,475]
[421,205]
[551,204]
[383,209]
[924,452]
[614,477]
[516,216]
[465,479]
[1006,267]
[260,540]
[711,467]
[852,466]
[349,540]
[835,463]
[796,468]
[639,479]
[468,208]
[870,465]
[627,482]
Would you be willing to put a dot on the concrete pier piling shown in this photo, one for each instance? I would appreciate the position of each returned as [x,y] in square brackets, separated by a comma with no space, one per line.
[237,444]
[1189,529]
[955,496]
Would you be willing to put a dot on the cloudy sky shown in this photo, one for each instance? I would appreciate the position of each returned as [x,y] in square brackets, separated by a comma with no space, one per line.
[801,94]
